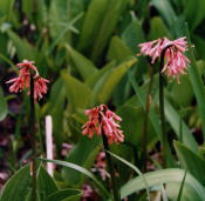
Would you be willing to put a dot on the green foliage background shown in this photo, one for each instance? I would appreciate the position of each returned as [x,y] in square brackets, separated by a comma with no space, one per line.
[87,49]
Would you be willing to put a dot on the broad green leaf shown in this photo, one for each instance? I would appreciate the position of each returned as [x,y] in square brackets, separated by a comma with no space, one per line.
[191,161]
[179,197]
[157,29]
[56,108]
[24,49]
[6,9]
[130,165]
[174,120]
[118,50]
[141,96]
[94,78]
[197,85]
[113,11]
[109,82]
[64,195]
[160,177]
[79,95]
[182,90]
[46,184]
[3,106]
[39,8]
[189,194]
[165,9]
[199,43]
[133,35]
[83,65]
[194,18]
[132,125]
[83,154]
[58,15]
[92,23]
[17,187]
[66,27]
[82,170]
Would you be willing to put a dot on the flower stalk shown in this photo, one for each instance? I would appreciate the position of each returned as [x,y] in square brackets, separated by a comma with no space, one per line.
[161,106]
[110,168]
[33,140]
[145,126]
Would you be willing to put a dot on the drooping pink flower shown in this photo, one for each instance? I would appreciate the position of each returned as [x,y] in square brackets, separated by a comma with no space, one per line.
[26,70]
[25,66]
[40,87]
[176,61]
[103,121]
[18,84]
[153,48]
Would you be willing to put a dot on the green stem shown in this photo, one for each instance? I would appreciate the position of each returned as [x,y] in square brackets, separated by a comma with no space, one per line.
[161,106]
[33,138]
[110,168]
[145,126]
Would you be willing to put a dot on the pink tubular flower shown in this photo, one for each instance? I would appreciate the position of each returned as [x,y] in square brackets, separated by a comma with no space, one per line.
[40,87]
[175,60]
[103,121]
[17,84]
[153,48]
[26,70]
[26,66]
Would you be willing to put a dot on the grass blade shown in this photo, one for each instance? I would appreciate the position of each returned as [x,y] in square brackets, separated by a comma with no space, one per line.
[83,171]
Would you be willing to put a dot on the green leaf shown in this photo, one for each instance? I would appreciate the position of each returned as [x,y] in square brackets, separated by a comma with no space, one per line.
[83,65]
[82,170]
[174,120]
[160,177]
[83,154]
[199,43]
[137,170]
[110,19]
[64,195]
[141,96]
[94,78]
[17,187]
[58,14]
[92,23]
[166,10]
[118,50]
[6,8]
[24,49]
[132,125]
[182,90]
[46,184]
[133,35]
[179,197]
[3,106]
[194,18]
[157,29]
[197,85]
[79,95]
[65,29]
[109,82]
[191,161]
[56,108]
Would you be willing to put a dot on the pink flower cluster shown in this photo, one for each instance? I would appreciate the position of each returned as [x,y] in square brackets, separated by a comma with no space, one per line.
[103,121]
[176,61]
[23,80]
